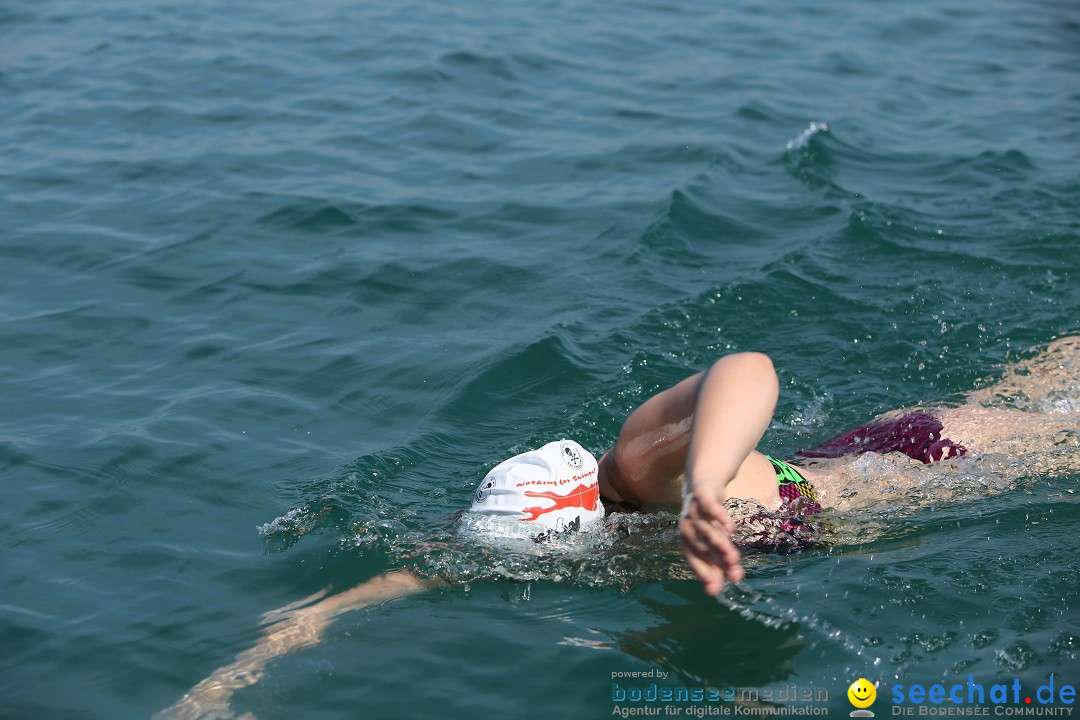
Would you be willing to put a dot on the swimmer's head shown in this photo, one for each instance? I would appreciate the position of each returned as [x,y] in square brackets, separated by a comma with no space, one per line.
[552,488]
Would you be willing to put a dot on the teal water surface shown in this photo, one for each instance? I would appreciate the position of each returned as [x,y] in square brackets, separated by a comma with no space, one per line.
[281,280]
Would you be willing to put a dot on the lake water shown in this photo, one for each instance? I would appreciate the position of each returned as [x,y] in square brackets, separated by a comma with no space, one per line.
[281,280]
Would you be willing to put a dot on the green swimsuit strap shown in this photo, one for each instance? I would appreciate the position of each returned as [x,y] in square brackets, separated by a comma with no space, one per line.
[785,473]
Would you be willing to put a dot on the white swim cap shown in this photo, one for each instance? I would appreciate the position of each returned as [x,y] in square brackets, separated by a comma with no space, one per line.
[554,487]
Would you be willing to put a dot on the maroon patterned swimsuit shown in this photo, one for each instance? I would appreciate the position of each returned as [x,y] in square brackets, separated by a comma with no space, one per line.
[917,435]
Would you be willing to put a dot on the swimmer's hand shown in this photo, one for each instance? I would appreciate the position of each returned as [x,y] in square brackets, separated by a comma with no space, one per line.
[293,627]
[705,529]
[290,628]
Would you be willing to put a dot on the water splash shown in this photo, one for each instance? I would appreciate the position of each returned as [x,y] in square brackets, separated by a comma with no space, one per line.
[1047,382]
[803,139]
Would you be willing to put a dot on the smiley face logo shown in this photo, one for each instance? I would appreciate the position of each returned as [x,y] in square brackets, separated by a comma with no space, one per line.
[862,693]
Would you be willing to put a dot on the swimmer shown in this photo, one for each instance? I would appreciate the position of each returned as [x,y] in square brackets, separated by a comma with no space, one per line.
[689,449]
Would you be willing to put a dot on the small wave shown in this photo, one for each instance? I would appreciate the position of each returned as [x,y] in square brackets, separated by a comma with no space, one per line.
[489,66]
[803,139]
[312,215]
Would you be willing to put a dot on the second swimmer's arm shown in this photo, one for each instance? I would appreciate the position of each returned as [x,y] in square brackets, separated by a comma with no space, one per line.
[734,407]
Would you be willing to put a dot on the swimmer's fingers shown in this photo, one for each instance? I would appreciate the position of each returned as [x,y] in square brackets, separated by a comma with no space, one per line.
[722,550]
[709,550]
[709,574]
[285,611]
[709,527]
[708,562]
[709,505]
[697,553]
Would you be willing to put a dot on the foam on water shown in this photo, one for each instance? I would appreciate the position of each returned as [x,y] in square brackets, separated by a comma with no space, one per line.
[803,139]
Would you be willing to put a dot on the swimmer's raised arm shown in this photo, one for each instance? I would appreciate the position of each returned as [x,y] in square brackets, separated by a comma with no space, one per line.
[735,405]
[292,627]
[705,427]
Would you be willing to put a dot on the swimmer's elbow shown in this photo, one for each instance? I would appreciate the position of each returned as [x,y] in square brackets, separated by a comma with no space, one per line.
[753,366]
[748,374]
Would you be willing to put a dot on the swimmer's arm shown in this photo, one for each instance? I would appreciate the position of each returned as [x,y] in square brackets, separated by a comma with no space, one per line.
[735,405]
[292,627]
[389,586]
[706,428]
